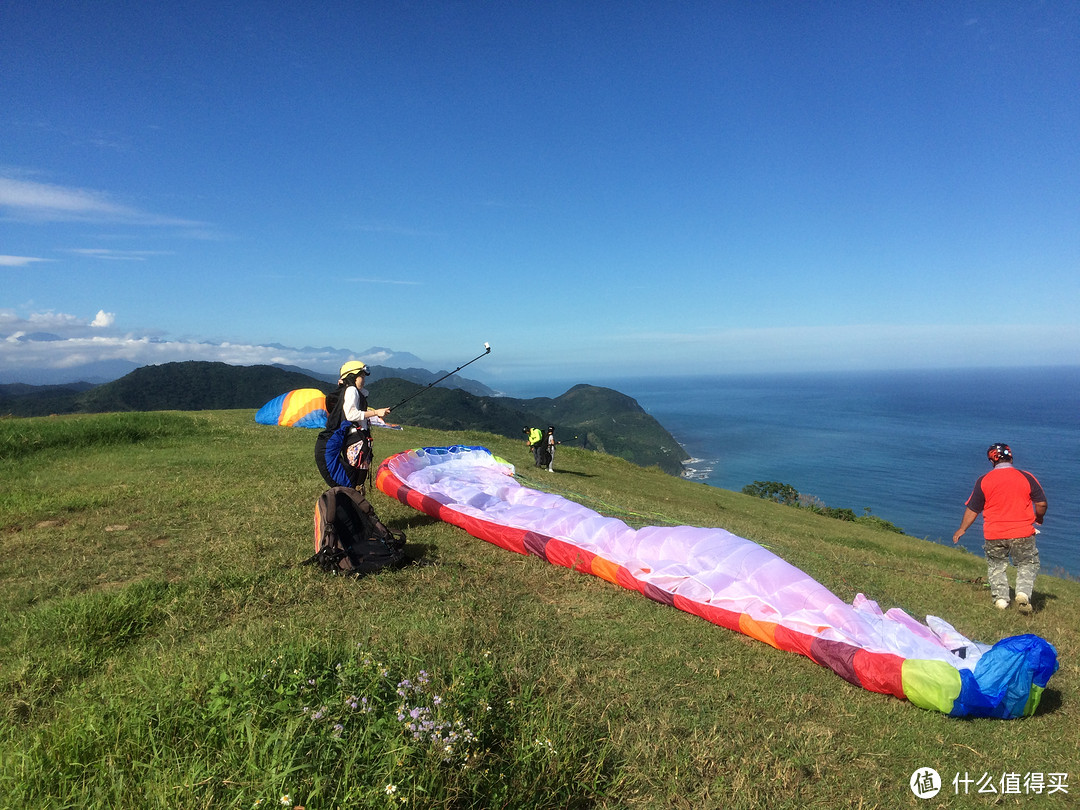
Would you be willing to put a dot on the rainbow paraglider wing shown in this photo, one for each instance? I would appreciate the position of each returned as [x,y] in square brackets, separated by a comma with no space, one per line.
[304,407]
[732,582]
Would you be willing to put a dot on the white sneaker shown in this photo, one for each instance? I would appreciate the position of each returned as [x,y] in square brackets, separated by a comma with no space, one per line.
[1023,603]
[1001,604]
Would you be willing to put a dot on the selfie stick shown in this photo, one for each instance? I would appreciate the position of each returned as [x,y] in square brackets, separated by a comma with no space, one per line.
[487,350]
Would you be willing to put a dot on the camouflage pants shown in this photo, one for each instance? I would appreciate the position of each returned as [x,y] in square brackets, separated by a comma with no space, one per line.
[1024,556]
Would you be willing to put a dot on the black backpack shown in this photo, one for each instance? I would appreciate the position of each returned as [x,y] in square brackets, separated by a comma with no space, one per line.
[350,538]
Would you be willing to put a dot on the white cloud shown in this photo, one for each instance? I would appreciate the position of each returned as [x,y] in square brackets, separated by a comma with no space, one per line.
[53,321]
[19,261]
[30,200]
[59,341]
[119,255]
[18,353]
[103,319]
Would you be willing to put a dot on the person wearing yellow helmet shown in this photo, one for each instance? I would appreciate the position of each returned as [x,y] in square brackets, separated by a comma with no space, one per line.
[354,402]
[343,450]
[352,367]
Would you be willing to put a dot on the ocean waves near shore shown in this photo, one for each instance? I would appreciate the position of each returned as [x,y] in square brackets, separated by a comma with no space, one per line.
[908,445]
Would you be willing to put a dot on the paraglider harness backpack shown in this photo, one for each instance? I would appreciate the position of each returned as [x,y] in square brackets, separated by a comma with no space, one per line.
[350,538]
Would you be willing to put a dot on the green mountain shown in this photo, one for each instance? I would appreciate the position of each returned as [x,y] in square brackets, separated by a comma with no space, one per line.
[193,386]
[585,416]
[20,399]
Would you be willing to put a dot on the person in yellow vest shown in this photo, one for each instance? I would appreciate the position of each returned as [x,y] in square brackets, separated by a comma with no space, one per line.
[534,441]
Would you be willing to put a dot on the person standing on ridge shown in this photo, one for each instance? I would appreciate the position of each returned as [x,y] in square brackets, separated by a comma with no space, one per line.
[343,450]
[534,441]
[550,441]
[1010,501]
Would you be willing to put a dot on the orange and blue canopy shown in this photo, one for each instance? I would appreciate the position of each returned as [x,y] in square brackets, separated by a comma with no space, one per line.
[304,407]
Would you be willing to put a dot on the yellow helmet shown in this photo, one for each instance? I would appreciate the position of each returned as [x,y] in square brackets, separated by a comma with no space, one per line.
[353,367]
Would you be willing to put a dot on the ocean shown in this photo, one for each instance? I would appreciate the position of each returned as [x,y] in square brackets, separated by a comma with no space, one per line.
[907,445]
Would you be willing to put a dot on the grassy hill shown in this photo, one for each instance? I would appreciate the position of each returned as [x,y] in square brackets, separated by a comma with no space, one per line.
[162,647]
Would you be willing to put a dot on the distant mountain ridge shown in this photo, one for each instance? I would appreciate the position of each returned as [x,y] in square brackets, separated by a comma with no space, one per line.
[193,385]
[102,371]
[416,375]
[92,373]
[586,416]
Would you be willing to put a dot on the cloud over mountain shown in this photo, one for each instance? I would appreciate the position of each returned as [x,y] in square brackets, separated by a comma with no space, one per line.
[52,347]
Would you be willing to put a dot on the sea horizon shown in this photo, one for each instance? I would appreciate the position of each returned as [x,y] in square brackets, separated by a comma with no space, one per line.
[905,446]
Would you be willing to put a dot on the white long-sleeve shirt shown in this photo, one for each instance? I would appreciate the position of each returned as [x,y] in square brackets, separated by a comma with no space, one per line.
[351,407]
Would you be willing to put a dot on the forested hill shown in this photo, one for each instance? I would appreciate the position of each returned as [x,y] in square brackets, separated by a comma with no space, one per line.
[190,386]
[585,416]
[194,386]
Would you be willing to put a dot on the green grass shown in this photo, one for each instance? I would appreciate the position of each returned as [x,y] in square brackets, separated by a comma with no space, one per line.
[161,646]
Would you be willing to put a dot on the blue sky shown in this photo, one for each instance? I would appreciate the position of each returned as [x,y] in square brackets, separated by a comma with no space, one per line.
[596,188]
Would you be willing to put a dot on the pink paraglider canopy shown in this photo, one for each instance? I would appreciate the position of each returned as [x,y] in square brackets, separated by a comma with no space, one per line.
[732,582]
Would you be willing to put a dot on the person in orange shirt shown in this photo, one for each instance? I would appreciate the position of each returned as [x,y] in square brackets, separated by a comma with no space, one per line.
[1011,501]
